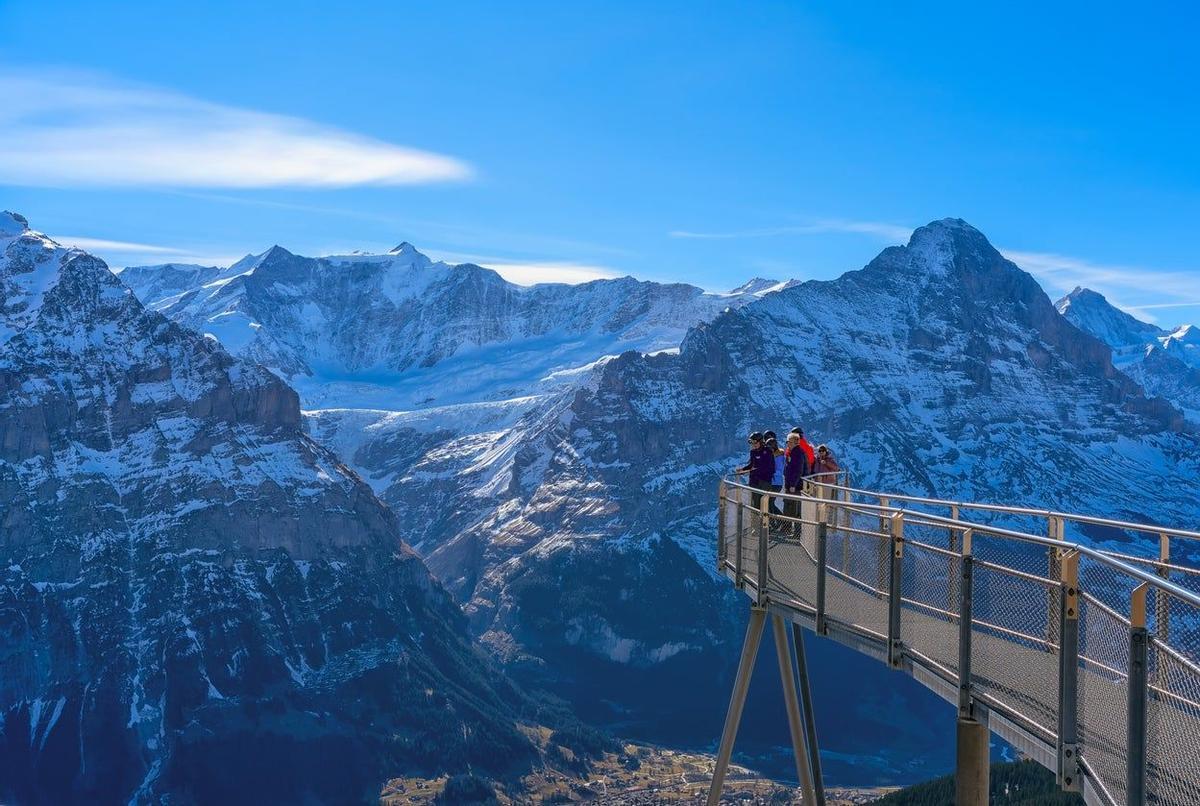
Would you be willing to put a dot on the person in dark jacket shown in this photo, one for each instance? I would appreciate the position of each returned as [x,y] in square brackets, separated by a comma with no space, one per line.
[805,446]
[795,467]
[760,467]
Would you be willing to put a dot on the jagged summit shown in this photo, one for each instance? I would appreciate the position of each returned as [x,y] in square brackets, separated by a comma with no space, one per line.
[399,330]
[754,286]
[1091,312]
[12,224]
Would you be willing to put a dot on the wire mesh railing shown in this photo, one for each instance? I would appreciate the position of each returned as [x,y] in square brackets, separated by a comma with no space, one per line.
[1092,657]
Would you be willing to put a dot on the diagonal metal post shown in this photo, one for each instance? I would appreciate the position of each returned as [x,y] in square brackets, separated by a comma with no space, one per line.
[800,662]
[787,676]
[733,717]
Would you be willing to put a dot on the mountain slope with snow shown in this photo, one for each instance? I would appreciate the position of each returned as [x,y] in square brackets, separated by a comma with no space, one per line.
[579,531]
[197,600]
[1165,362]
[575,521]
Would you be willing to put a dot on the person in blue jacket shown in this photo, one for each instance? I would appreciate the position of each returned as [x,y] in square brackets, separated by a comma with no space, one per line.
[777,477]
[760,467]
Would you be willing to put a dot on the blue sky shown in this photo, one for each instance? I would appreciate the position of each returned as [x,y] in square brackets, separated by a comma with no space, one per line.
[691,141]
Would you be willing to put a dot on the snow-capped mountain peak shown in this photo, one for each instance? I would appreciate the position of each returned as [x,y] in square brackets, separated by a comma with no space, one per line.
[1165,363]
[12,224]
[1092,312]
[755,285]
[400,331]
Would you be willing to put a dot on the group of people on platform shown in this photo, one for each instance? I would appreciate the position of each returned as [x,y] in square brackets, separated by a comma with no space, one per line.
[775,469]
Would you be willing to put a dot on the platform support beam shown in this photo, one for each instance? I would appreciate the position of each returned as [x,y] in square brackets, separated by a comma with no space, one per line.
[785,651]
[972,769]
[800,662]
[737,702]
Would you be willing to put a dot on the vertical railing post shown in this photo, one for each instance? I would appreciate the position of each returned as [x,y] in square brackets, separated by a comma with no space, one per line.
[764,534]
[1054,530]
[952,593]
[1068,672]
[1162,603]
[882,563]
[739,580]
[894,588]
[822,548]
[1135,754]
[722,551]
[965,592]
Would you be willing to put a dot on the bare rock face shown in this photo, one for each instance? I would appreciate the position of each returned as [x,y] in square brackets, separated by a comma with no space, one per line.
[198,603]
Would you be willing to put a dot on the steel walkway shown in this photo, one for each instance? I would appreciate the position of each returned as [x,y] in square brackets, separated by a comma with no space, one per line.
[1084,660]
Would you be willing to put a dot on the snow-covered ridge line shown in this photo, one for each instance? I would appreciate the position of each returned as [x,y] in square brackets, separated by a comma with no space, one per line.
[400,331]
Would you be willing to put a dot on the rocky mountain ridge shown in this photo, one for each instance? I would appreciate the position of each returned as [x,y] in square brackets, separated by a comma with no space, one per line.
[198,602]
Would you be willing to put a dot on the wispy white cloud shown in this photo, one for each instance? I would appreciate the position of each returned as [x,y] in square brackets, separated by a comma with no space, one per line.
[102,244]
[532,272]
[1118,283]
[62,129]
[890,233]
[119,254]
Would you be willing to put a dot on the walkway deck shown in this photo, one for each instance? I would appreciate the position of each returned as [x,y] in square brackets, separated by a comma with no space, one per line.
[892,586]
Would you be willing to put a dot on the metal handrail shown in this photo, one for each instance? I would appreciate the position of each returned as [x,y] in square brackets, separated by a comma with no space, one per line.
[1082,760]
[1011,510]
[958,523]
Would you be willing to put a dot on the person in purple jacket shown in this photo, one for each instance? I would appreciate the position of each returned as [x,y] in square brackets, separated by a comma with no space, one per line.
[760,467]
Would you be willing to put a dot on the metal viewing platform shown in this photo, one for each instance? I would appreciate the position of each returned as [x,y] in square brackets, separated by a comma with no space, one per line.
[1085,660]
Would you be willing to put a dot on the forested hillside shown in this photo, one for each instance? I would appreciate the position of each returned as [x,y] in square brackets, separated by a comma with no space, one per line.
[1023,783]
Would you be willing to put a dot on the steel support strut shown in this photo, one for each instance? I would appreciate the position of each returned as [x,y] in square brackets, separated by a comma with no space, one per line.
[787,676]
[737,702]
[800,661]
